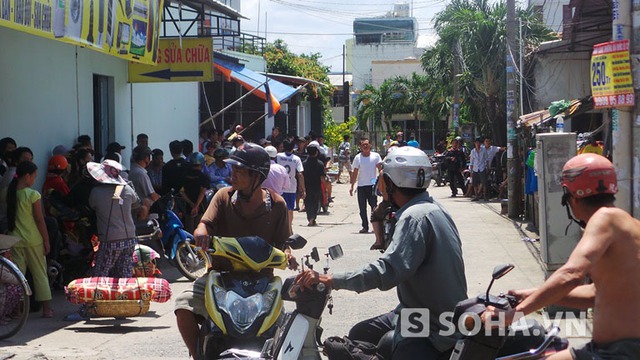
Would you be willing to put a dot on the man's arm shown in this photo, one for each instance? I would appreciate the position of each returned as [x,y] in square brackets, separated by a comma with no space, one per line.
[595,241]
[406,252]
[354,179]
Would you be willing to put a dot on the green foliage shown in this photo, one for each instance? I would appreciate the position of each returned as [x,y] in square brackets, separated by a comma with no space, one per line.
[333,133]
[281,60]
[473,34]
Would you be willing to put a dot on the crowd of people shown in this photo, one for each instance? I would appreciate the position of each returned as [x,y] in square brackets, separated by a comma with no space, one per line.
[267,179]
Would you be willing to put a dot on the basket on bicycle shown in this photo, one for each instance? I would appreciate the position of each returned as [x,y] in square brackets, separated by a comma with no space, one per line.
[117,308]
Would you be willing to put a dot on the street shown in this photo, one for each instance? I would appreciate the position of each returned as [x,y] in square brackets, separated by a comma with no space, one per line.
[488,239]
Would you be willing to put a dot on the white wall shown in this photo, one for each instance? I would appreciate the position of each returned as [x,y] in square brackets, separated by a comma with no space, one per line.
[166,112]
[561,76]
[46,98]
[361,57]
[552,12]
[387,69]
[46,92]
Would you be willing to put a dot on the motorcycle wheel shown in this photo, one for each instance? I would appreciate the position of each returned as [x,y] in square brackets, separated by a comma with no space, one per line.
[191,261]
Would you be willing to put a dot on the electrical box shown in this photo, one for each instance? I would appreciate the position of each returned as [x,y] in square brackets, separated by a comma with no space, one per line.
[552,152]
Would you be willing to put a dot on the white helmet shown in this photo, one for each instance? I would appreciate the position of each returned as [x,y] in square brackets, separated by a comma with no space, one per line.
[272,151]
[408,167]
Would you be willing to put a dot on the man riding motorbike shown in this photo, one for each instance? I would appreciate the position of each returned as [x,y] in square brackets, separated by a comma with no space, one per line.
[244,209]
[424,260]
[607,253]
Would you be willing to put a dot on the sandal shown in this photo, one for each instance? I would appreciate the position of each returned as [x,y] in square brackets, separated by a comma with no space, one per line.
[377,247]
[47,313]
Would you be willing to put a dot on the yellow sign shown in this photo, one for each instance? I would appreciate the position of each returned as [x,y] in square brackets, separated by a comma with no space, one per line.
[189,59]
[611,80]
[124,28]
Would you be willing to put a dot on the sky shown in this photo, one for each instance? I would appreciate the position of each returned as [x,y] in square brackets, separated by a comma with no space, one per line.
[322,26]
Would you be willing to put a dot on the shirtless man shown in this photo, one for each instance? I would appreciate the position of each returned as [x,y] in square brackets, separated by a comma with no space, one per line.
[608,252]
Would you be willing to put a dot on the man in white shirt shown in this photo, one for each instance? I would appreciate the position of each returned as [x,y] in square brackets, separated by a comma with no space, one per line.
[478,169]
[293,164]
[491,151]
[278,178]
[365,171]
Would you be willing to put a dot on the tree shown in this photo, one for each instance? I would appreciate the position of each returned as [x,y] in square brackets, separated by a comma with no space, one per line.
[473,34]
[333,133]
[281,60]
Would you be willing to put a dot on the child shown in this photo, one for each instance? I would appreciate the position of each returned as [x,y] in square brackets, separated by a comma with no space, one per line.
[26,221]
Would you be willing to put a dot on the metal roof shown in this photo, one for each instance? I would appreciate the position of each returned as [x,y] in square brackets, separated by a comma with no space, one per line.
[212,5]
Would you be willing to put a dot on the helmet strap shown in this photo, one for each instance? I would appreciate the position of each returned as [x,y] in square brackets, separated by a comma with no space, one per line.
[565,202]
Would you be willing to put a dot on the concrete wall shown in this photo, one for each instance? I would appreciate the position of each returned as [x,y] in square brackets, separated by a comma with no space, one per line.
[561,76]
[46,98]
[361,56]
[382,70]
[552,12]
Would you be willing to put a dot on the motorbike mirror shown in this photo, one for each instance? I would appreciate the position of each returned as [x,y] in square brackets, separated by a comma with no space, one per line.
[335,252]
[296,242]
[498,272]
[501,270]
[314,254]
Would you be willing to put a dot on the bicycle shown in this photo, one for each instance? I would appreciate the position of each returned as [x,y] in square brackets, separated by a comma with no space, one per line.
[14,292]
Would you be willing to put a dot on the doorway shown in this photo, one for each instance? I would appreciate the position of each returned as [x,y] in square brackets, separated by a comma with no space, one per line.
[103,109]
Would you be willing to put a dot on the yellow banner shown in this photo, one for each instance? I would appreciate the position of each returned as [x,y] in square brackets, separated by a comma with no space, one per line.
[128,29]
[189,59]
[611,80]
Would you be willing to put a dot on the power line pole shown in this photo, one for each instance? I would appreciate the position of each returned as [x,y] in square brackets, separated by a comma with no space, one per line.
[513,159]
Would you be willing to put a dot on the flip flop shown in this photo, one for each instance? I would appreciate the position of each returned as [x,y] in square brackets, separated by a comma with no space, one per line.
[377,247]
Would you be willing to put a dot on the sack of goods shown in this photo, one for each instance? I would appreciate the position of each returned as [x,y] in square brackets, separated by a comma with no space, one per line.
[87,290]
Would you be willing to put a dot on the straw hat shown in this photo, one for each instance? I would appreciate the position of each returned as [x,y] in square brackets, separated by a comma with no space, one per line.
[107,172]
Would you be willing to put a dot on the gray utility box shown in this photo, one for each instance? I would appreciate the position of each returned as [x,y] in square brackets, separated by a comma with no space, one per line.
[552,151]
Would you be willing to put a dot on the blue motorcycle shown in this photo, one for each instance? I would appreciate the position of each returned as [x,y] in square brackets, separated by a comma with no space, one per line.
[176,244]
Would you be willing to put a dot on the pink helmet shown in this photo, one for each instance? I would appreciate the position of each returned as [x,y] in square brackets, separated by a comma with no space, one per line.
[589,174]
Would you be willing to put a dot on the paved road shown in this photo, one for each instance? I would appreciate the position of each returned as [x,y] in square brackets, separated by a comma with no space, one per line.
[488,239]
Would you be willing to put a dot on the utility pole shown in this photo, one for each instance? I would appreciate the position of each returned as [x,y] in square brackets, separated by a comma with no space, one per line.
[622,118]
[345,84]
[456,90]
[513,158]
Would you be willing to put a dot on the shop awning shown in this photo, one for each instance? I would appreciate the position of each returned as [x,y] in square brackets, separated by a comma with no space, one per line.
[250,79]
[537,118]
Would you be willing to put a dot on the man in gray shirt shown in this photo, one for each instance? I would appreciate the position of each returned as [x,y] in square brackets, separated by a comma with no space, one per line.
[424,261]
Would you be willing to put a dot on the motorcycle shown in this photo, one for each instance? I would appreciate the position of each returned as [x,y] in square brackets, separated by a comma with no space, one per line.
[244,301]
[175,243]
[523,340]
[439,169]
[297,337]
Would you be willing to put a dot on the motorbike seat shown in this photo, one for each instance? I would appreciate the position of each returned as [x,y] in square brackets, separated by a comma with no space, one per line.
[523,336]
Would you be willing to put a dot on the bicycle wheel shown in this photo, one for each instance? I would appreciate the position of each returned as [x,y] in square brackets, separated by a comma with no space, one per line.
[191,261]
[14,301]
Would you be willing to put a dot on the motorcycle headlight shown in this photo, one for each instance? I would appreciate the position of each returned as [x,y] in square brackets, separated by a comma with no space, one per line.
[244,311]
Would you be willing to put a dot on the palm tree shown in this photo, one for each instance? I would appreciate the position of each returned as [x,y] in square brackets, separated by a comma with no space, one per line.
[473,33]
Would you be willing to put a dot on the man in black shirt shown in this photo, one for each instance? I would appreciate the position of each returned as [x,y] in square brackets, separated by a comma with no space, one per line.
[312,183]
[173,171]
[455,160]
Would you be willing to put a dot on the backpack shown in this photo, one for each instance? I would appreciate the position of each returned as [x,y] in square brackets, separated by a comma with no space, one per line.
[343,348]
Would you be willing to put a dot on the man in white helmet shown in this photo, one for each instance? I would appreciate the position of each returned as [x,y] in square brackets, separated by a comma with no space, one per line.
[425,254]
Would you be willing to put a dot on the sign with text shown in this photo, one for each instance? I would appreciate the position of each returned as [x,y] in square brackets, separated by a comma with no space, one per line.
[124,28]
[186,59]
[611,80]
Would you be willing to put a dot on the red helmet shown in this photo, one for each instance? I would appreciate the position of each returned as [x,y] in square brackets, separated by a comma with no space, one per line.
[589,174]
[58,162]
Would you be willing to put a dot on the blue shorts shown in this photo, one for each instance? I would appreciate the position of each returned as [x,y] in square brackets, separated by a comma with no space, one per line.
[290,199]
